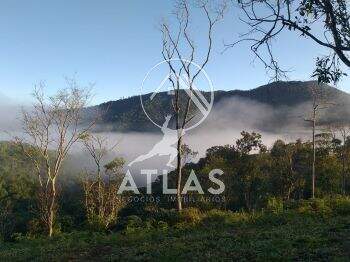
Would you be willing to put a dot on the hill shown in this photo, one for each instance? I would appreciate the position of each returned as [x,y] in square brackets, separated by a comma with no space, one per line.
[127,114]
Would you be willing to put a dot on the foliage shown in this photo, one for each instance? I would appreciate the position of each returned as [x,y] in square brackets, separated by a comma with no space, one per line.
[222,235]
[102,203]
[326,23]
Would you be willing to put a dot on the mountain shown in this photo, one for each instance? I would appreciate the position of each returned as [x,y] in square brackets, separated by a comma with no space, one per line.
[287,97]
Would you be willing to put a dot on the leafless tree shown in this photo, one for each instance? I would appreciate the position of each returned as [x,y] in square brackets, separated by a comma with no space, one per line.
[102,202]
[177,44]
[51,128]
[268,18]
[320,102]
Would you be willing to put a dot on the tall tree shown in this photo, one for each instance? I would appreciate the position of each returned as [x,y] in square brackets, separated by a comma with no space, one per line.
[177,43]
[319,103]
[249,171]
[51,128]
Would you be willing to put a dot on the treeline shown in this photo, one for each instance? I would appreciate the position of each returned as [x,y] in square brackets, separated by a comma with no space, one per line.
[253,176]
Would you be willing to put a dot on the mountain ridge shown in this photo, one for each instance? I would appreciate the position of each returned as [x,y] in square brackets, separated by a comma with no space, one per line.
[126,114]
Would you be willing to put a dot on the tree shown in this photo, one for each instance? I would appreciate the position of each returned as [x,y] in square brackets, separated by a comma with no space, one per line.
[344,131]
[175,45]
[250,142]
[268,18]
[284,178]
[51,128]
[188,154]
[102,203]
[319,102]
[249,172]
[328,165]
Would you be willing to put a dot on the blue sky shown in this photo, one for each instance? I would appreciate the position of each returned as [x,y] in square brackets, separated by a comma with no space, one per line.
[114,43]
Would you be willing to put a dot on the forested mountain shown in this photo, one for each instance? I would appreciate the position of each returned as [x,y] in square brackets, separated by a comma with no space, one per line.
[127,115]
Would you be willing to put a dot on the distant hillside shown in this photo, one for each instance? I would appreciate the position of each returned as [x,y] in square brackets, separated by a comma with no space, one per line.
[127,114]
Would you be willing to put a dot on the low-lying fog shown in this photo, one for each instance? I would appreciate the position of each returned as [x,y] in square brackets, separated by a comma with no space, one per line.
[223,126]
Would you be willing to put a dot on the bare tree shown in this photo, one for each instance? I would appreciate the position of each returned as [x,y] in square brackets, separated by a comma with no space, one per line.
[268,18]
[51,128]
[102,202]
[319,103]
[178,45]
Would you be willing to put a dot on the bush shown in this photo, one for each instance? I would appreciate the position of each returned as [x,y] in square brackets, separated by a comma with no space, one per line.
[327,205]
[190,215]
[271,219]
[275,205]
[215,216]
[162,225]
[321,206]
[218,218]
[132,223]
[35,228]
[171,216]
[66,223]
[340,205]
[7,223]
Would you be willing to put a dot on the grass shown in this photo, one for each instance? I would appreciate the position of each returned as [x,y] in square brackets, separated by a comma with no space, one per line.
[316,232]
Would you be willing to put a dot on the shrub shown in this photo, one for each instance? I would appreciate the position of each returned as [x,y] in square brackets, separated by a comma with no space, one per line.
[182,226]
[66,222]
[215,216]
[270,219]
[35,228]
[95,224]
[321,206]
[190,215]
[162,225]
[221,218]
[275,205]
[7,223]
[171,216]
[340,205]
[132,223]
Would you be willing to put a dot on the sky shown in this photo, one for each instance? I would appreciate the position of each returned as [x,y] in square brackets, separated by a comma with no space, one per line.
[114,43]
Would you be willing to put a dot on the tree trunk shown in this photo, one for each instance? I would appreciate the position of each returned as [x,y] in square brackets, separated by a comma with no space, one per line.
[343,168]
[313,153]
[52,207]
[179,173]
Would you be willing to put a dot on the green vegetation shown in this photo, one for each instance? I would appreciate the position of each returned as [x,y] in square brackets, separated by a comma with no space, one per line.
[127,114]
[315,230]
[267,213]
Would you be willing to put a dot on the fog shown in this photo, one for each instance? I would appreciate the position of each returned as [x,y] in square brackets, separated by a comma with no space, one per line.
[10,114]
[222,126]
